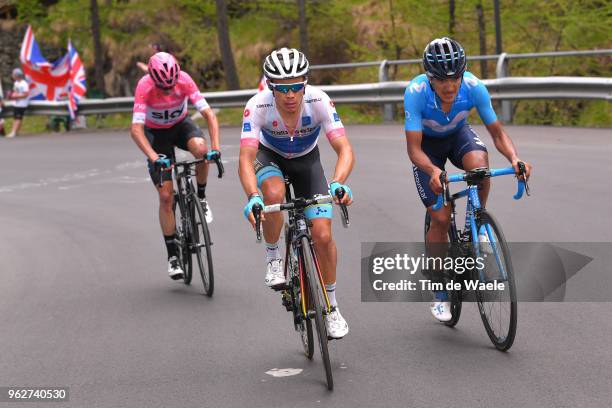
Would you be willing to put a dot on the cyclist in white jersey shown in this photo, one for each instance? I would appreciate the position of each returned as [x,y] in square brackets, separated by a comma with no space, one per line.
[280,129]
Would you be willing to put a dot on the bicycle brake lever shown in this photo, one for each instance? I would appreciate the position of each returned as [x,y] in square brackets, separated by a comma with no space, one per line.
[220,167]
[257,214]
[345,216]
[444,187]
[522,172]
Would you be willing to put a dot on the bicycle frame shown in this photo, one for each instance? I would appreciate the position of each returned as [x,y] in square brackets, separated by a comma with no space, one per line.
[298,229]
[474,208]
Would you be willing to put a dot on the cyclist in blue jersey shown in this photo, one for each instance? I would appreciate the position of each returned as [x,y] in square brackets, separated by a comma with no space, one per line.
[437,105]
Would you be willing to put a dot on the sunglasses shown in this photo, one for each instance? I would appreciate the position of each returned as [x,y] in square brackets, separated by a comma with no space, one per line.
[285,88]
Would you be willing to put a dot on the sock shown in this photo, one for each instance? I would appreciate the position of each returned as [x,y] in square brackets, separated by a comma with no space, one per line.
[171,245]
[201,190]
[272,251]
[441,295]
[331,294]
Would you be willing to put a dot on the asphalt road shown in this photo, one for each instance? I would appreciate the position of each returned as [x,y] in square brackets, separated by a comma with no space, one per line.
[85,301]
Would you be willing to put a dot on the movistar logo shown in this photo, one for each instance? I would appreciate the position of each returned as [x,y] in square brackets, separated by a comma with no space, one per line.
[417,87]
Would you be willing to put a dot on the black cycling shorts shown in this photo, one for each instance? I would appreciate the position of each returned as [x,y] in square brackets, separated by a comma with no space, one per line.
[439,149]
[305,174]
[163,142]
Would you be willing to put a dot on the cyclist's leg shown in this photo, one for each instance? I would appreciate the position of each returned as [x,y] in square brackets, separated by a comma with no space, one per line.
[469,153]
[270,181]
[437,150]
[191,138]
[308,179]
[161,142]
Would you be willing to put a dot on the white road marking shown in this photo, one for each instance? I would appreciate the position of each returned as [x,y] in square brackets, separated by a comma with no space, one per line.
[284,372]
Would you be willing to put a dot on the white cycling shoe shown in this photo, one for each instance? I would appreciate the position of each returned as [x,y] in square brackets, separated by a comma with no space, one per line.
[441,311]
[335,324]
[207,211]
[276,274]
[174,269]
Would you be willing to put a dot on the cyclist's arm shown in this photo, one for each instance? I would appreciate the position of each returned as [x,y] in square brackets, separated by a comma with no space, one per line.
[346,158]
[246,170]
[502,141]
[141,141]
[213,127]
[416,153]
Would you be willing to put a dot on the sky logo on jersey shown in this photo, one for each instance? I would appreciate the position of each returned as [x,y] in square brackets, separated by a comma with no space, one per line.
[336,117]
[306,120]
[246,127]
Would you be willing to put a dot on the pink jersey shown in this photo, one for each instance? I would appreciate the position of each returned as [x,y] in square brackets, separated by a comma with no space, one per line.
[158,110]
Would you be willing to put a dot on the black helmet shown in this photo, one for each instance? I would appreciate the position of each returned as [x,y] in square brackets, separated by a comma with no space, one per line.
[444,58]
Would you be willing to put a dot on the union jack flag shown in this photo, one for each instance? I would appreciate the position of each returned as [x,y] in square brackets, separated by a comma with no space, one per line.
[76,84]
[62,79]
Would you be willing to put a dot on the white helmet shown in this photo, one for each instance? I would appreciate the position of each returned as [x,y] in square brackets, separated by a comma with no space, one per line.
[285,63]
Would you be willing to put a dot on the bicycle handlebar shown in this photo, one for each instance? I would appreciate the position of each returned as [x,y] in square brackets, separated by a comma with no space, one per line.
[298,203]
[523,186]
[188,164]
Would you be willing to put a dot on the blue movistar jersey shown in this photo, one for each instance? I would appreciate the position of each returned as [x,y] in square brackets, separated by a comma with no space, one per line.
[423,107]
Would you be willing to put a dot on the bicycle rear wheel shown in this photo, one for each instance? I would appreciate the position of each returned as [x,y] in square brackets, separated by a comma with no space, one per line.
[455,297]
[316,300]
[498,309]
[200,245]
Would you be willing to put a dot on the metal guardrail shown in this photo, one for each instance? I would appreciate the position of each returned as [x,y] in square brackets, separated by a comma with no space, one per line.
[502,70]
[511,88]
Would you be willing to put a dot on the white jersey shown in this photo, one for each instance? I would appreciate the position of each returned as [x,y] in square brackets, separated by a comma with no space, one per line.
[261,123]
[21,86]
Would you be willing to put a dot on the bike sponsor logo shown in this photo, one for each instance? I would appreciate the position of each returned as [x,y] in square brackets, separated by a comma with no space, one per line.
[331,103]
[264,105]
[247,113]
[167,115]
[246,127]
[336,117]
[312,100]
[306,120]
[416,87]
[275,123]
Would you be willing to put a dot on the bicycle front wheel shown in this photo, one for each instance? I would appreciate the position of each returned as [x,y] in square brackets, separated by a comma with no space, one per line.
[316,300]
[183,232]
[304,327]
[498,308]
[200,245]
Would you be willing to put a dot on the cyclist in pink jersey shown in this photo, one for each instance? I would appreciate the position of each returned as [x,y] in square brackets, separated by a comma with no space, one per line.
[160,123]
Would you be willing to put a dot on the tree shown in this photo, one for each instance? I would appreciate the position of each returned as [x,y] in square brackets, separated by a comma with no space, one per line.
[303,23]
[98,58]
[451,17]
[482,39]
[225,46]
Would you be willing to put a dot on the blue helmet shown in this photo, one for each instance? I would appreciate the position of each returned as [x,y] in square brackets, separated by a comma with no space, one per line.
[444,58]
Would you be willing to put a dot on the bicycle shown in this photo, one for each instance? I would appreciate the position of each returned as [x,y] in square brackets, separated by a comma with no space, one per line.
[465,243]
[304,293]
[192,233]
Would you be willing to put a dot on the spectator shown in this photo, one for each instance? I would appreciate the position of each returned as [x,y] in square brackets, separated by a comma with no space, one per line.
[21,89]
[153,48]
